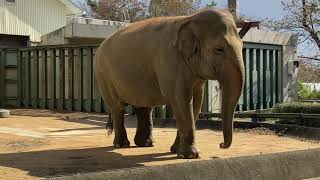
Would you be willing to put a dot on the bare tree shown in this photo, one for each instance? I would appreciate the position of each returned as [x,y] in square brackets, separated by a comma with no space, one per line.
[134,10]
[309,72]
[303,18]
[118,10]
[175,7]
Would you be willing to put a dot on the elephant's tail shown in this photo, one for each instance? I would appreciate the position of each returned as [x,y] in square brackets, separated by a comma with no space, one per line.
[109,125]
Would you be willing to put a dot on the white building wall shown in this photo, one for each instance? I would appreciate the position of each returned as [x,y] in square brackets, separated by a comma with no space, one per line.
[32,17]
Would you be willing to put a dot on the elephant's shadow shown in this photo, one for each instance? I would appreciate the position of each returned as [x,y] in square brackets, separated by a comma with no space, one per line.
[50,163]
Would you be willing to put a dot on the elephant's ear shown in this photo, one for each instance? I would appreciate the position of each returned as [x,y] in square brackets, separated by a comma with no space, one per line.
[186,41]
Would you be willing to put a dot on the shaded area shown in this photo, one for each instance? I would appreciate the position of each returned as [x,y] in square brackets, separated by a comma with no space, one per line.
[96,119]
[71,161]
[77,129]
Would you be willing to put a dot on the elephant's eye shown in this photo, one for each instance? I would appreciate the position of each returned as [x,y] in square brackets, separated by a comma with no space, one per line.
[219,51]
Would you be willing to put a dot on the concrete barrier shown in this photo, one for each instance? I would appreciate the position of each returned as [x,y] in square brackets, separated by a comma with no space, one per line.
[302,164]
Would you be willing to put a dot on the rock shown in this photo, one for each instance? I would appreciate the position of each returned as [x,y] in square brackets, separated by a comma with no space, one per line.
[4,113]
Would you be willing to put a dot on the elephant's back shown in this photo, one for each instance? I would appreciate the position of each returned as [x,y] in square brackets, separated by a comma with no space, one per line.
[126,60]
[145,39]
[138,45]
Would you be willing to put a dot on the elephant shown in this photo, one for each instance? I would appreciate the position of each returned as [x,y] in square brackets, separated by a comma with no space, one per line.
[167,61]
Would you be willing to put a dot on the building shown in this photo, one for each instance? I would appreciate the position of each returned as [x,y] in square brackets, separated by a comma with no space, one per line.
[23,22]
[79,30]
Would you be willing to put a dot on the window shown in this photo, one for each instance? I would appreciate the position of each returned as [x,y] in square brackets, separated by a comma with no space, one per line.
[10,1]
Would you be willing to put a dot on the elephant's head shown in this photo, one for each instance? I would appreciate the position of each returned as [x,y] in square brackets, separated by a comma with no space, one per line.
[209,43]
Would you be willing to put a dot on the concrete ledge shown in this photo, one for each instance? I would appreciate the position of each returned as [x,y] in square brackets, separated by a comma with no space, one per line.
[302,164]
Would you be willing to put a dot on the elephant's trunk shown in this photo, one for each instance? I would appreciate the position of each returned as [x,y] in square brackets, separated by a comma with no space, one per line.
[231,85]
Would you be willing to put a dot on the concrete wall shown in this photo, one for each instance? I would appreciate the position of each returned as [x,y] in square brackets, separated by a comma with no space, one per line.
[82,31]
[300,164]
[78,34]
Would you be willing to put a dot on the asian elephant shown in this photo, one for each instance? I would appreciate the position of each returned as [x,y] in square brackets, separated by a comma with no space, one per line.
[166,61]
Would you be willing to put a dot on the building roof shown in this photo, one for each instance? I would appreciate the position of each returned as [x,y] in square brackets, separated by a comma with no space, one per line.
[72,7]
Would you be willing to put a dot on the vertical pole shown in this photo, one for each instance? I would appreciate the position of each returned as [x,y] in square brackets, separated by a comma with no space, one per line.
[41,78]
[268,82]
[50,78]
[65,80]
[162,112]
[19,81]
[274,80]
[210,96]
[247,80]
[96,93]
[21,78]
[28,78]
[254,80]
[87,81]
[60,79]
[77,76]
[204,107]
[260,80]
[34,78]
[69,80]
[2,76]
[233,6]
[280,80]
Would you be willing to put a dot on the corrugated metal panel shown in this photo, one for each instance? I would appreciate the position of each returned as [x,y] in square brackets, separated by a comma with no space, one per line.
[32,17]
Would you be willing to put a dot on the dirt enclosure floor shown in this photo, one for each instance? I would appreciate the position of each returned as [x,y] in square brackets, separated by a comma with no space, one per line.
[36,144]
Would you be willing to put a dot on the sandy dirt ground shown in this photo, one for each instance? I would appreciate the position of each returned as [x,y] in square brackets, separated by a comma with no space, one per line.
[38,144]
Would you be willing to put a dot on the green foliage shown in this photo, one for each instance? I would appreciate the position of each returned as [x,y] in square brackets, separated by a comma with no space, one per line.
[305,92]
[298,107]
[92,3]
[211,4]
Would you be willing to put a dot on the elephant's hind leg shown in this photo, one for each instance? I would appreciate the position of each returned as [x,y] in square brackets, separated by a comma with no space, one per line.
[120,139]
[143,137]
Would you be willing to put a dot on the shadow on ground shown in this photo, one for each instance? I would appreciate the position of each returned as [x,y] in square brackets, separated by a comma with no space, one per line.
[50,163]
[96,119]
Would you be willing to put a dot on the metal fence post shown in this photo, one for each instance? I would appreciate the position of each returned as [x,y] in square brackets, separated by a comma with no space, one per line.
[2,76]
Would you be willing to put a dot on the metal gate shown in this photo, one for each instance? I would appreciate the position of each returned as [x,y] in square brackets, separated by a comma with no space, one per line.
[263,84]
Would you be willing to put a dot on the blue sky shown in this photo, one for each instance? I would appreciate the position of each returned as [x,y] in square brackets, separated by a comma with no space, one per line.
[259,9]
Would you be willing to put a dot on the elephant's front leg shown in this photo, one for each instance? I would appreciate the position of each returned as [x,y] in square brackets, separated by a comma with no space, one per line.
[183,111]
[143,137]
[197,103]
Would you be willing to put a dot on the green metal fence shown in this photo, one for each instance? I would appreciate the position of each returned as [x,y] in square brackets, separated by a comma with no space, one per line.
[263,84]
[8,77]
[61,78]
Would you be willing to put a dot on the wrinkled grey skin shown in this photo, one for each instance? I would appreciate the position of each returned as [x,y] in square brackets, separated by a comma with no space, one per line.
[167,61]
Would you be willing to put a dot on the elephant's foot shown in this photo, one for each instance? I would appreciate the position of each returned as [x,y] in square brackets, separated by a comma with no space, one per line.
[144,141]
[121,142]
[191,152]
[174,147]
